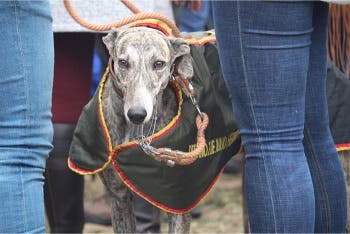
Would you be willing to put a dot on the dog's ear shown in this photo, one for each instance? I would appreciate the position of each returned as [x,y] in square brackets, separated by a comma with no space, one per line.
[110,39]
[182,57]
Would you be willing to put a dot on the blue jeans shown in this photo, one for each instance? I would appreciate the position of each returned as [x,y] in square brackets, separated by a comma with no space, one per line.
[26,74]
[273,56]
[191,21]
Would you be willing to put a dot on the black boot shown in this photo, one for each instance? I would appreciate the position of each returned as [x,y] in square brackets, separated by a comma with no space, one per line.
[63,188]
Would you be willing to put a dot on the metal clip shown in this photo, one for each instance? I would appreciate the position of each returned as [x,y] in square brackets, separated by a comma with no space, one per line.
[195,103]
[179,153]
[146,147]
[190,86]
[152,150]
[170,163]
[168,151]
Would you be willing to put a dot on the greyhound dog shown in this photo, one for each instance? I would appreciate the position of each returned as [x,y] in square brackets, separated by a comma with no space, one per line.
[142,60]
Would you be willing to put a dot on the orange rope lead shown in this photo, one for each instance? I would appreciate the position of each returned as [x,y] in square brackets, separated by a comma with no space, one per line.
[122,22]
[131,6]
[172,157]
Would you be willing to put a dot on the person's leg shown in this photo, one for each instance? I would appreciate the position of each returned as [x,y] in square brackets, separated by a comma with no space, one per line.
[71,92]
[264,52]
[64,189]
[326,170]
[147,216]
[191,21]
[26,73]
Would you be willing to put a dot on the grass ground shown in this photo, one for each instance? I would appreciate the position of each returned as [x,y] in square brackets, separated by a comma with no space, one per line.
[221,209]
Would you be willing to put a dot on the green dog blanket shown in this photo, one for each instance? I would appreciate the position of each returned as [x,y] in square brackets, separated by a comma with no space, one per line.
[174,189]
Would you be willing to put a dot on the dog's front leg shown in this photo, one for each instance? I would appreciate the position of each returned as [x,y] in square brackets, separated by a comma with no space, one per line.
[123,219]
[179,223]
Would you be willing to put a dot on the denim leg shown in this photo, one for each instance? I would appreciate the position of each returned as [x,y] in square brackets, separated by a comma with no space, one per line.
[326,170]
[192,21]
[264,50]
[26,73]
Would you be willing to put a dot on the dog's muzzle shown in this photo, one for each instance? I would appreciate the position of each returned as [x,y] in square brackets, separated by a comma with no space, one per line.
[137,115]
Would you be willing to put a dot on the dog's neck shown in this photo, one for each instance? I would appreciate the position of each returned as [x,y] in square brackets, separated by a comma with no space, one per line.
[120,129]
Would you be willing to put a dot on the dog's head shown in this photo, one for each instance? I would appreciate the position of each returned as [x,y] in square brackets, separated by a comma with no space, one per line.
[142,61]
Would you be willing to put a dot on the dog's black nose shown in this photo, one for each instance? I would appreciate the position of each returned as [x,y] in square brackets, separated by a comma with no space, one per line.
[137,114]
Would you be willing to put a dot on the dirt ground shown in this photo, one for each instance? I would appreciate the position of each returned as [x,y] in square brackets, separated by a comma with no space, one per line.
[221,209]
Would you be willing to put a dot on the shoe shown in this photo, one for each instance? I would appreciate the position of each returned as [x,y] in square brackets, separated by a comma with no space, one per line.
[99,210]
[196,212]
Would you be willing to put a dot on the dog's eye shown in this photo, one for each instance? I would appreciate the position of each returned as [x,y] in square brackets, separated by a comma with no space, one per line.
[123,63]
[158,64]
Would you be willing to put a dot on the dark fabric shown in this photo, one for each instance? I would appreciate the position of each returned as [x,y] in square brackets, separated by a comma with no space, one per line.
[63,188]
[72,75]
[147,216]
[89,148]
[338,97]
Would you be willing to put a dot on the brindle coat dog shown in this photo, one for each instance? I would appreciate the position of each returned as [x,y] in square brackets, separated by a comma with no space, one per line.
[143,59]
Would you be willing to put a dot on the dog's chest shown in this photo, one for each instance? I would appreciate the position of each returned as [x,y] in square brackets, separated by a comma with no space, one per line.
[121,130]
